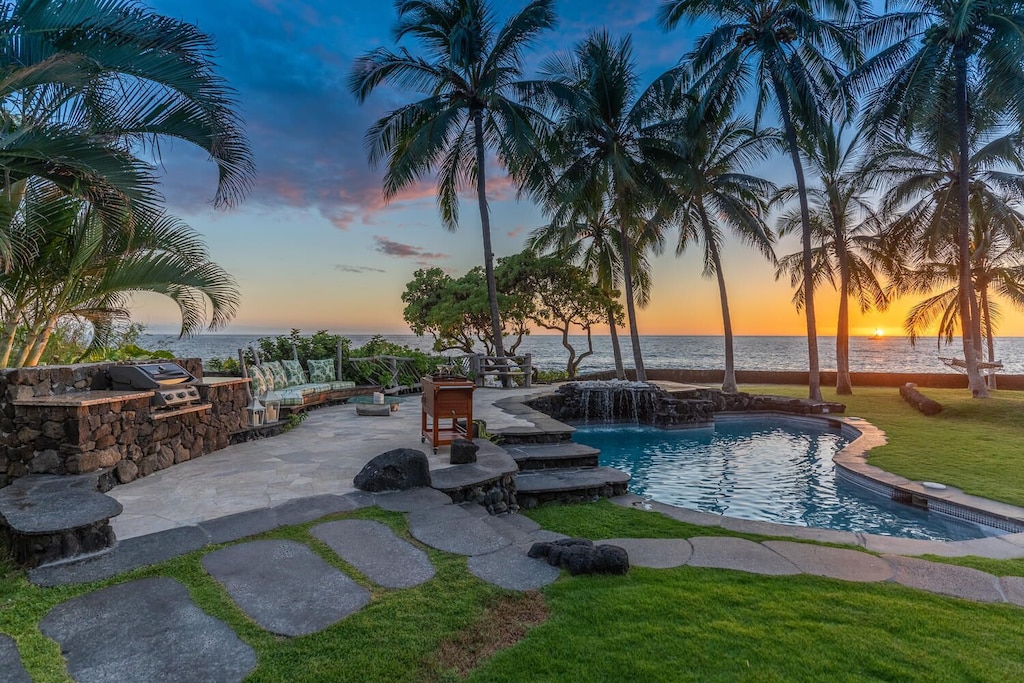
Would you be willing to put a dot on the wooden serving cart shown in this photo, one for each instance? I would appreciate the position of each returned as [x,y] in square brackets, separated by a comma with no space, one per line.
[446,399]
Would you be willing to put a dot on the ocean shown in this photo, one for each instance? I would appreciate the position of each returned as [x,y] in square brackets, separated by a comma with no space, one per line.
[867,354]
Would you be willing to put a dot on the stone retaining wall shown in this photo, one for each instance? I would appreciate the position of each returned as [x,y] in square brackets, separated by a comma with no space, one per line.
[77,433]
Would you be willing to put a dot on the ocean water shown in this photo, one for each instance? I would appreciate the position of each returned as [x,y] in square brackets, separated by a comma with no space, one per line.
[867,354]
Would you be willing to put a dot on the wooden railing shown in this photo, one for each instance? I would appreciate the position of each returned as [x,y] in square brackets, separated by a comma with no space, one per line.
[519,368]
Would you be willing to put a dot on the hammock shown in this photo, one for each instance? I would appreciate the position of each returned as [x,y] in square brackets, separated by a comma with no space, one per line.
[960,365]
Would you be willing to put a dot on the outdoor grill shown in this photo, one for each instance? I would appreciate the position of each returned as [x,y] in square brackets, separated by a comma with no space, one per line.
[173,385]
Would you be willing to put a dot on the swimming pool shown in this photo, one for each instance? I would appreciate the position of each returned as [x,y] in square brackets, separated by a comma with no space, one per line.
[768,470]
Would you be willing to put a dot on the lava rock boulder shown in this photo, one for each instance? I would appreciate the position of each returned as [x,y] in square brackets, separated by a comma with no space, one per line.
[397,470]
[581,556]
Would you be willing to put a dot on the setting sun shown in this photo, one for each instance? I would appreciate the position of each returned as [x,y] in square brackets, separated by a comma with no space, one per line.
[879,332]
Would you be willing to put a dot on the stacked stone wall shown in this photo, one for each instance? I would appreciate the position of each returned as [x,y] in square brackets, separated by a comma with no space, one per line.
[128,436]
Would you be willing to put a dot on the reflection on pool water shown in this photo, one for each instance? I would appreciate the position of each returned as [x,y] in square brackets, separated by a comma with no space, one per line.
[761,469]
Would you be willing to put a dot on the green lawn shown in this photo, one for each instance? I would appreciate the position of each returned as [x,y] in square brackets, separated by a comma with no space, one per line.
[652,625]
[975,445]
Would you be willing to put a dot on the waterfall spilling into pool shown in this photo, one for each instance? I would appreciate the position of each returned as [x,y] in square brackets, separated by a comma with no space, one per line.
[612,400]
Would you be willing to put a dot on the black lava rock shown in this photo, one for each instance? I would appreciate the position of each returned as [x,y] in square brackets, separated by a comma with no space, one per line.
[463,452]
[581,556]
[400,469]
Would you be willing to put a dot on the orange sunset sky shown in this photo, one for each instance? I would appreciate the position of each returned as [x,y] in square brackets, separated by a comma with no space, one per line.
[314,247]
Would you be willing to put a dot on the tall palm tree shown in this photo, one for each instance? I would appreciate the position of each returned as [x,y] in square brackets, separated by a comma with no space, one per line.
[791,54]
[469,74]
[86,268]
[710,181]
[959,56]
[88,86]
[845,227]
[615,142]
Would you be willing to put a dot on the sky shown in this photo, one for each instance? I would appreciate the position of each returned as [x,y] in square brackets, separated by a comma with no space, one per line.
[315,246]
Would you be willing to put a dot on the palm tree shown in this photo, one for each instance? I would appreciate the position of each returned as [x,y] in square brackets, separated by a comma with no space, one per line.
[923,209]
[711,182]
[85,268]
[845,229]
[789,53]
[592,241]
[88,85]
[958,56]
[997,269]
[614,142]
[469,75]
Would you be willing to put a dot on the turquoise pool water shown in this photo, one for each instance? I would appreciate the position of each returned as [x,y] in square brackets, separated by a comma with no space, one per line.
[764,470]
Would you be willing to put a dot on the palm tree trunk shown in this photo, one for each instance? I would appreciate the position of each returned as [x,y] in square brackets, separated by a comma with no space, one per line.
[485,228]
[974,379]
[620,371]
[40,344]
[986,312]
[813,376]
[10,332]
[31,337]
[844,386]
[627,276]
[729,380]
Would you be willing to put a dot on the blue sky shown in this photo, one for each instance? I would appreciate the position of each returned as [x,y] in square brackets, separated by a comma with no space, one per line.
[315,247]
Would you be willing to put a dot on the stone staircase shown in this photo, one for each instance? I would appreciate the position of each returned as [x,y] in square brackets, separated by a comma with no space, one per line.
[565,471]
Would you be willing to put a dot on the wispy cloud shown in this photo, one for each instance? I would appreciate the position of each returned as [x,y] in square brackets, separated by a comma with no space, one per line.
[407,251]
[345,268]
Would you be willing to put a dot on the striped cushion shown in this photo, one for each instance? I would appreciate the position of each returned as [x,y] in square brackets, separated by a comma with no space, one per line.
[287,397]
[342,384]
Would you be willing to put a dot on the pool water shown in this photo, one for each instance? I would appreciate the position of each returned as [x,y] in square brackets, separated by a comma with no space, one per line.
[764,470]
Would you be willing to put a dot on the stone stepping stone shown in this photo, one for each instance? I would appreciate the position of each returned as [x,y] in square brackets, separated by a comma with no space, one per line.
[454,530]
[516,528]
[569,479]
[947,579]
[836,563]
[512,569]
[412,499]
[239,525]
[302,510]
[1013,589]
[723,552]
[656,553]
[377,552]
[10,661]
[284,586]
[129,554]
[145,630]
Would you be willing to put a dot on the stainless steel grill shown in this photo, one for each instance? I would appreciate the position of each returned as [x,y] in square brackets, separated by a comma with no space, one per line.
[173,385]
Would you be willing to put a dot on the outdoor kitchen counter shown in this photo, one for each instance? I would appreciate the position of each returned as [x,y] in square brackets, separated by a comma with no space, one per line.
[82,398]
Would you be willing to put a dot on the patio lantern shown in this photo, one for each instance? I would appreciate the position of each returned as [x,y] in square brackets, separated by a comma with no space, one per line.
[272,411]
[256,412]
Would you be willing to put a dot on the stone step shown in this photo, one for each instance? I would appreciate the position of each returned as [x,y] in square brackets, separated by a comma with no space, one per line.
[543,456]
[569,484]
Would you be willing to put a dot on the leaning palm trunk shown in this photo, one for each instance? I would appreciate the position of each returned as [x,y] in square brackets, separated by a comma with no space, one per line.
[986,312]
[10,333]
[975,381]
[39,346]
[844,385]
[620,371]
[634,334]
[485,228]
[729,380]
[813,376]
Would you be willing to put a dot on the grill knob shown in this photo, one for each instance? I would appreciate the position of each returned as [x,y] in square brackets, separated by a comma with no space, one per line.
[182,394]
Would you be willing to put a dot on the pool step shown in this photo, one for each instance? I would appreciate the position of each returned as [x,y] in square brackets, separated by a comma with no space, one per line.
[569,484]
[545,456]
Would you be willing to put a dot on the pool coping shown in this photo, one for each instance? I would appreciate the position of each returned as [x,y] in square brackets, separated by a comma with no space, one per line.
[851,464]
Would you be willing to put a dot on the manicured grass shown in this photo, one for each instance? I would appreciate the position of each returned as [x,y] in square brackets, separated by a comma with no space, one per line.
[1013,567]
[691,624]
[973,444]
[652,625]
